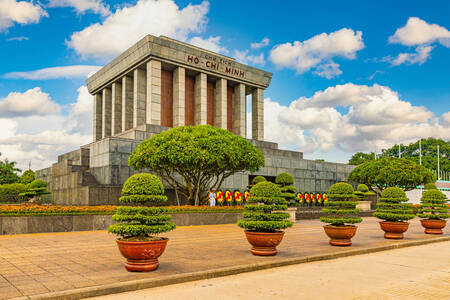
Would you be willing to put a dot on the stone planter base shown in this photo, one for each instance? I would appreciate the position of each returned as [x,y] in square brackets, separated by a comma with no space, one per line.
[364,205]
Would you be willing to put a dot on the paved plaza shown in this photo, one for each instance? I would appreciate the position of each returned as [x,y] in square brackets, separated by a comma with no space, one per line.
[59,263]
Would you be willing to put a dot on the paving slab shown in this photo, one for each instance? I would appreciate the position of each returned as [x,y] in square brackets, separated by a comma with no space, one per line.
[73,265]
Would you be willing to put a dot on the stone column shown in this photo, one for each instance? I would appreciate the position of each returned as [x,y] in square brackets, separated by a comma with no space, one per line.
[239,111]
[98,112]
[221,103]
[116,123]
[179,102]
[200,99]
[153,102]
[258,114]
[106,112]
[139,96]
[127,103]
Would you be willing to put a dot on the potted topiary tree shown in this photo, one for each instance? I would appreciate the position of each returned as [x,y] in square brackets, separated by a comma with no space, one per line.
[35,190]
[263,225]
[434,210]
[362,193]
[285,181]
[341,210]
[138,225]
[394,213]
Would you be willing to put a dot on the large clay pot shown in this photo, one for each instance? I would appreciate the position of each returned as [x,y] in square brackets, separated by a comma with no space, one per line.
[142,256]
[264,243]
[433,226]
[340,235]
[394,230]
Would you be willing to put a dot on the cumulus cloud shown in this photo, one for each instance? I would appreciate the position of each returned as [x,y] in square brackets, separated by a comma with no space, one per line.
[22,141]
[264,42]
[212,43]
[82,6]
[31,102]
[418,33]
[22,12]
[245,58]
[67,72]
[317,52]
[127,25]
[374,117]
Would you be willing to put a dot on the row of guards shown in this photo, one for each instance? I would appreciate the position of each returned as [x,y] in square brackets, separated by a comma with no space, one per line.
[238,198]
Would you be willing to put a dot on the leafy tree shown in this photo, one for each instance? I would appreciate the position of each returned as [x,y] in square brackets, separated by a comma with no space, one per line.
[391,172]
[341,208]
[27,177]
[192,159]
[261,218]
[13,189]
[8,171]
[360,157]
[286,181]
[433,205]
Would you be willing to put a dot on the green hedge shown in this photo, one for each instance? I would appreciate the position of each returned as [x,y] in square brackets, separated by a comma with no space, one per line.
[142,221]
[390,207]
[13,189]
[261,217]
[340,207]
[433,205]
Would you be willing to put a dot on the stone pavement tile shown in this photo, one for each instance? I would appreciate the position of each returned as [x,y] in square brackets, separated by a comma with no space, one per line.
[9,292]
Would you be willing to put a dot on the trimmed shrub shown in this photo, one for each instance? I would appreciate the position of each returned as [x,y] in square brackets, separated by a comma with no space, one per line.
[390,207]
[433,205]
[13,189]
[362,192]
[430,186]
[362,188]
[340,206]
[260,216]
[286,181]
[258,179]
[142,221]
[36,188]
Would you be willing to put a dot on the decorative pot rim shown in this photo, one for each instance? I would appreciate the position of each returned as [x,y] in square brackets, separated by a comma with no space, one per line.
[163,240]
[262,232]
[344,226]
[442,220]
[393,222]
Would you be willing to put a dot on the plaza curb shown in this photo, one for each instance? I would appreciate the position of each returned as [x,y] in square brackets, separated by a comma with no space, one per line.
[132,285]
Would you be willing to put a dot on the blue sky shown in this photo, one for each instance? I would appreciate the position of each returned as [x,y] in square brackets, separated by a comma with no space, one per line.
[347,76]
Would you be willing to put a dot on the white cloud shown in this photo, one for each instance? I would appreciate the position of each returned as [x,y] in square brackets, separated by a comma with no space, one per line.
[18,39]
[22,12]
[31,102]
[22,141]
[82,6]
[318,51]
[127,25]
[419,57]
[374,117]
[264,42]
[77,71]
[417,32]
[212,43]
[245,58]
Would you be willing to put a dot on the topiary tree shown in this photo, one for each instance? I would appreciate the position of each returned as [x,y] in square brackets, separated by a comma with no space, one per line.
[430,186]
[390,207]
[139,223]
[27,177]
[36,189]
[362,192]
[340,207]
[433,205]
[260,216]
[286,181]
[258,179]
[192,159]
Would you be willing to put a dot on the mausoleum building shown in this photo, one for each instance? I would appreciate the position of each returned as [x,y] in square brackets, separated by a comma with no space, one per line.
[161,83]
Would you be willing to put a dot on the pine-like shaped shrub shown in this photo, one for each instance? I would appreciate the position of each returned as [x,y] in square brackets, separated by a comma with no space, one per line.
[340,206]
[362,192]
[260,216]
[36,189]
[430,186]
[286,181]
[140,222]
[390,207]
[433,205]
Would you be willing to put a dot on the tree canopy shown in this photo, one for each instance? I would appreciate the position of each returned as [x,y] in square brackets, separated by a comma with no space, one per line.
[192,159]
[8,171]
[391,172]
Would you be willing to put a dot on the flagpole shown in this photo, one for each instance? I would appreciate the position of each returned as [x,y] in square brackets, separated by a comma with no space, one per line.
[438,175]
[420,151]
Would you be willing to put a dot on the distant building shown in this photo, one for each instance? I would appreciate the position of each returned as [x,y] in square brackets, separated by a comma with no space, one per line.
[415,195]
[161,83]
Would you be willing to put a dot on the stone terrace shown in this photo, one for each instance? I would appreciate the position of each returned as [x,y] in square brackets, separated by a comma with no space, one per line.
[34,264]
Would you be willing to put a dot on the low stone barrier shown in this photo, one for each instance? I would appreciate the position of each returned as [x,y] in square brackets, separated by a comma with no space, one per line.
[315,212]
[36,224]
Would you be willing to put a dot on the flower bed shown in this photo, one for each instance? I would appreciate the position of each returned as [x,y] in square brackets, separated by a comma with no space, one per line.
[52,210]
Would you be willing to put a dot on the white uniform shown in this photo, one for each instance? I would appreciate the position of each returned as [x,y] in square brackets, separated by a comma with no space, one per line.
[212,199]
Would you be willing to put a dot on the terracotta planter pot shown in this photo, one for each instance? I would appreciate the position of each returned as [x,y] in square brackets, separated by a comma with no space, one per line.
[142,256]
[433,226]
[394,230]
[340,235]
[264,243]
